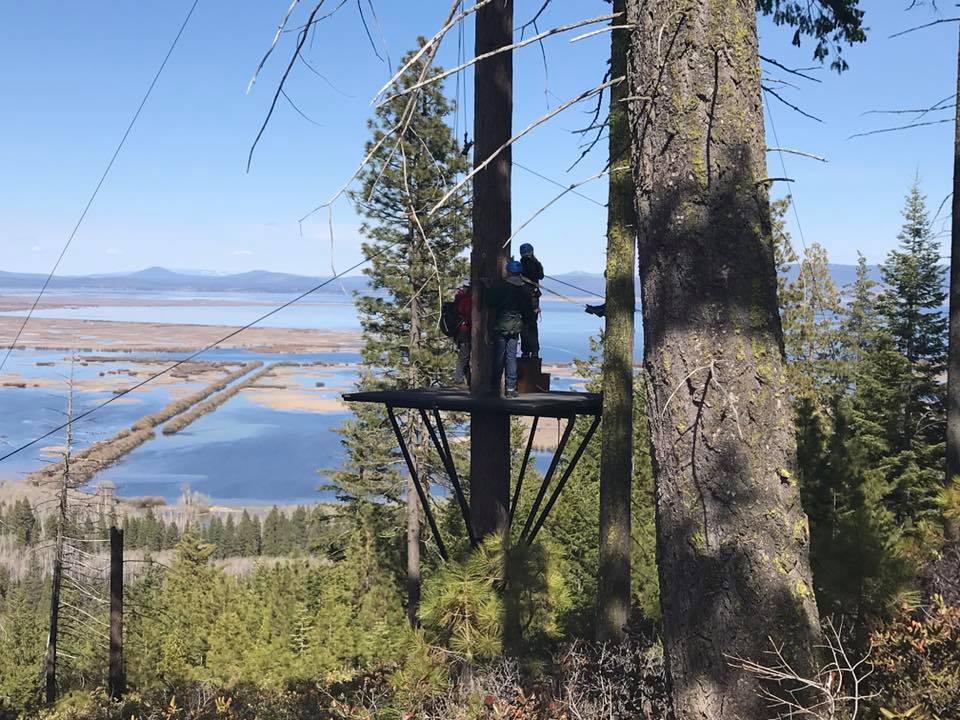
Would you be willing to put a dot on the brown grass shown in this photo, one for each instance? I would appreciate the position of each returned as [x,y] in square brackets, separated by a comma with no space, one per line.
[88,462]
[199,410]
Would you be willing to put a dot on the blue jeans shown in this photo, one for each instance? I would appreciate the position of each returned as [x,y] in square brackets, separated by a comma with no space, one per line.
[505,357]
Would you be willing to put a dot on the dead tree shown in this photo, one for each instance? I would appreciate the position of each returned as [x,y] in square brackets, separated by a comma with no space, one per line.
[616,440]
[62,518]
[116,680]
[493,103]
[953,352]
[732,536]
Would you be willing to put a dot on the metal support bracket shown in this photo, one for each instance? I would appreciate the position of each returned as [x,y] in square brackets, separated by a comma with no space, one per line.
[563,479]
[424,501]
[439,438]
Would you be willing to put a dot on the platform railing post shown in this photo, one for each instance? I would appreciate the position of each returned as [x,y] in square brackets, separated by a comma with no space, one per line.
[424,500]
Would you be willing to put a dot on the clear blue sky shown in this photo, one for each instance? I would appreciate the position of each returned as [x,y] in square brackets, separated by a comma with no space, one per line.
[179,196]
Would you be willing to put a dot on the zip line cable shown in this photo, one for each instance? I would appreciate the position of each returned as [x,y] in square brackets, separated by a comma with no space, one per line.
[559,184]
[575,287]
[103,178]
[190,357]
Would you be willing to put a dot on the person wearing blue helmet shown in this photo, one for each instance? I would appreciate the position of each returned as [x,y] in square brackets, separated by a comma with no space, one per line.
[511,310]
[532,273]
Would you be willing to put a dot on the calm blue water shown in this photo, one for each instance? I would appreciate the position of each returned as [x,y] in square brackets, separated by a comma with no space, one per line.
[243,452]
[565,329]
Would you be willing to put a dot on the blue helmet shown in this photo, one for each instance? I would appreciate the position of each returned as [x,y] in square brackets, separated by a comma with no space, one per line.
[514,267]
[526,249]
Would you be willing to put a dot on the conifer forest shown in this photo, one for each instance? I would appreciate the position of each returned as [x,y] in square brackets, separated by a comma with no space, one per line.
[757,517]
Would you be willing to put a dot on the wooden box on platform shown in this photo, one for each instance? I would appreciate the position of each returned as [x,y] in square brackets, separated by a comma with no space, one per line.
[530,376]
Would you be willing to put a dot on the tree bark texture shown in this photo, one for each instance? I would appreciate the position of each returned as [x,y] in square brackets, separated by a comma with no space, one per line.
[616,439]
[953,355]
[493,126]
[732,538]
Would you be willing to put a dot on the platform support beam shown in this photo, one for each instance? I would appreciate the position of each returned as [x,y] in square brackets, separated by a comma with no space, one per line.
[493,126]
[563,479]
[414,475]
[523,468]
[439,438]
[548,477]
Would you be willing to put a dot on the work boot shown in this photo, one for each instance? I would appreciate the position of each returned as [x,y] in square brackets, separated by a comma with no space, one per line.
[511,393]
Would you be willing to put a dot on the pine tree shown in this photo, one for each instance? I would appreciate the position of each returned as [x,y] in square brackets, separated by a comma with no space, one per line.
[415,260]
[912,309]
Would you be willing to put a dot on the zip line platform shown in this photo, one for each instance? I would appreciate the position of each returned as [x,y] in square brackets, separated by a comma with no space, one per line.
[427,401]
[539,404]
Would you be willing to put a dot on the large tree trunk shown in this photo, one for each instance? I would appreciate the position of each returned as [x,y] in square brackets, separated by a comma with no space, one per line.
[616,439]
[493,116]
[953,359]
[732,538]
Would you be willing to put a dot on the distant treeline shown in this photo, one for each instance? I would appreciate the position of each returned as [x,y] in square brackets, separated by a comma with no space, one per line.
[278,534]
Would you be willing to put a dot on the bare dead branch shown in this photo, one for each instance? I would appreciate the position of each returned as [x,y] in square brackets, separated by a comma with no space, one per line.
[924,26]
[435,40]
[299,111]
[286,73]
[609,28]
[901,127]
[793,71]
[507,48]
[789,104]
[797,152]
[323,77]
[366,29]
[536,123]
[276,38]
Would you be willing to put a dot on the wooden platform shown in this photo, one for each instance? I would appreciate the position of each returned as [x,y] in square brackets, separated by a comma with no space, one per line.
[543,404]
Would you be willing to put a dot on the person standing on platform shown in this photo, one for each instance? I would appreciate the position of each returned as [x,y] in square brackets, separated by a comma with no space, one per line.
[532,273]
[512,309]
[463,302]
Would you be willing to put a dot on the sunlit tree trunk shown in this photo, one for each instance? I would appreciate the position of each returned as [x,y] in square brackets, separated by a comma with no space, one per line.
[732,538]
[616,440]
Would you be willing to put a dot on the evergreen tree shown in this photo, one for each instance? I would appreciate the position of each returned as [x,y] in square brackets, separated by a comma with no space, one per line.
[912,306]
[248,536]
[415,260]
[274,533]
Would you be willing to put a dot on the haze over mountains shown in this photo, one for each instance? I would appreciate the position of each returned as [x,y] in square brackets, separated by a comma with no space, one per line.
[158,279]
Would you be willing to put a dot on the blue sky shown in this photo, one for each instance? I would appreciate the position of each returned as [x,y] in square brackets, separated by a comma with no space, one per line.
[179,195]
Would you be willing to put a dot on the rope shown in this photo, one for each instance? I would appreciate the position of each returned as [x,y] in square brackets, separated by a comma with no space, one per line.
[103,178]
[190,357]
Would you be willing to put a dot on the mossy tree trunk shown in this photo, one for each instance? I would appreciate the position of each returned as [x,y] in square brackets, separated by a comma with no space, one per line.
[732,538]
[616,440]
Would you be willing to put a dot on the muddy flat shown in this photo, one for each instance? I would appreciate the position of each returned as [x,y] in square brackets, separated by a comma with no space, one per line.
[107,335]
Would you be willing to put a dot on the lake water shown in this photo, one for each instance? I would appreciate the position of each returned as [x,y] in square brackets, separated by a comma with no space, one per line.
[244,452]
[565,329]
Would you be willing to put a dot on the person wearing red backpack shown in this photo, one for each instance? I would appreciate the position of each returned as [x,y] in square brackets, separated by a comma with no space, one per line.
[463,301]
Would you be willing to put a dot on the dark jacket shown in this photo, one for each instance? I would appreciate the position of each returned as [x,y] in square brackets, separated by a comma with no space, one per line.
[512,306]
[532,269]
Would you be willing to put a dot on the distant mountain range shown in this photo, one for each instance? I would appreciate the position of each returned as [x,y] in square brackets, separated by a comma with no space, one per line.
[158,279]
